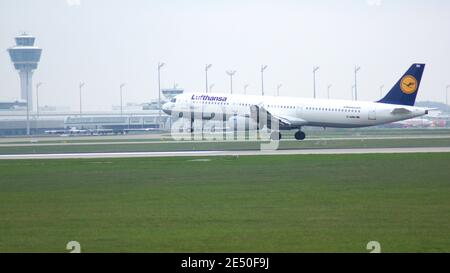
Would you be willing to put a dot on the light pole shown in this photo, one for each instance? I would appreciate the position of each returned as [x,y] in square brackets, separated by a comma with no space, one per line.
[231,74]
[37,98]
[80,86]
[245,88]
[328,90]
[28,105]
[278,89]
[381,90]
[160,65]
[263,67]
[121,87]
[357,68]
[211,87]
[207,67]
[353,90]
[315,68]
[446,94]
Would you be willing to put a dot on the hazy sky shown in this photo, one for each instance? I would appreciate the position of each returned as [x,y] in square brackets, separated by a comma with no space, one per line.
[107,42]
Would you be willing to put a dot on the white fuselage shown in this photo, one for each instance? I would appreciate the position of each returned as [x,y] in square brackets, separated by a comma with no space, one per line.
[298,111]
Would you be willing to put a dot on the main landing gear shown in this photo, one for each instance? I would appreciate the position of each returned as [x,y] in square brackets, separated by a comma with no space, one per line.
[299,135]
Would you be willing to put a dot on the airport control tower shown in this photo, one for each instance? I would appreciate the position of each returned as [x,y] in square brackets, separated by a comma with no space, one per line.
[25,57]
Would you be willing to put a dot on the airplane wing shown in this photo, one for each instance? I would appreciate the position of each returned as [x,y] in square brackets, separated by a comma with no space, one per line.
[282,119]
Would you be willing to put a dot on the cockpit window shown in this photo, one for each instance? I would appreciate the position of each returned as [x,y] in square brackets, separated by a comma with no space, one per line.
[173,100]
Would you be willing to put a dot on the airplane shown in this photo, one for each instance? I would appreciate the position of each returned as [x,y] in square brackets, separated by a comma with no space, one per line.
[75,131]
[55,132]
[294,113]
[65,132]
[140,130]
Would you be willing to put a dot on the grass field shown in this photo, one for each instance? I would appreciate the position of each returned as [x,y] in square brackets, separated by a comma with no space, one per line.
[321,203]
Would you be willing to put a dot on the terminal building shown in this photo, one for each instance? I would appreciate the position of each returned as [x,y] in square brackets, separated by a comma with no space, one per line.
[14,123]
[13,105]
[170,93]
[124,123]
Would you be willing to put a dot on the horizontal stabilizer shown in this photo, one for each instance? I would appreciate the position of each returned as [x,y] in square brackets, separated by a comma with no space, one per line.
[399,111]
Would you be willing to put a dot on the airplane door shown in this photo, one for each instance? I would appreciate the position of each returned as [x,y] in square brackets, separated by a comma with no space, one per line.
[372,114]
[234,107]
[298,110]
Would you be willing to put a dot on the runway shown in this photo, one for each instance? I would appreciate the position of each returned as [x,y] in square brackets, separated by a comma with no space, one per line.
[36,143]
[229,153]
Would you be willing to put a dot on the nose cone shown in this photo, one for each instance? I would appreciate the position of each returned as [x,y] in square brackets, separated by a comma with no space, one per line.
[167,108]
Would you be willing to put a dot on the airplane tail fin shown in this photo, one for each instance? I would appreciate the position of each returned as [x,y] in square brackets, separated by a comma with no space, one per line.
[404,92]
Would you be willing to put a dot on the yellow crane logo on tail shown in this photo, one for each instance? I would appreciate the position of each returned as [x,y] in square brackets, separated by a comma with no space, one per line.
[408,84]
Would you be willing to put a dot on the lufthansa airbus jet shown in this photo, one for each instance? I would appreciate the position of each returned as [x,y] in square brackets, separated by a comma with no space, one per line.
[294,113]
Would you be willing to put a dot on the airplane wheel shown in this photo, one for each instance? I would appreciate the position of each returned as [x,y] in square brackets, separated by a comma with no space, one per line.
[300,135]
[275,136]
